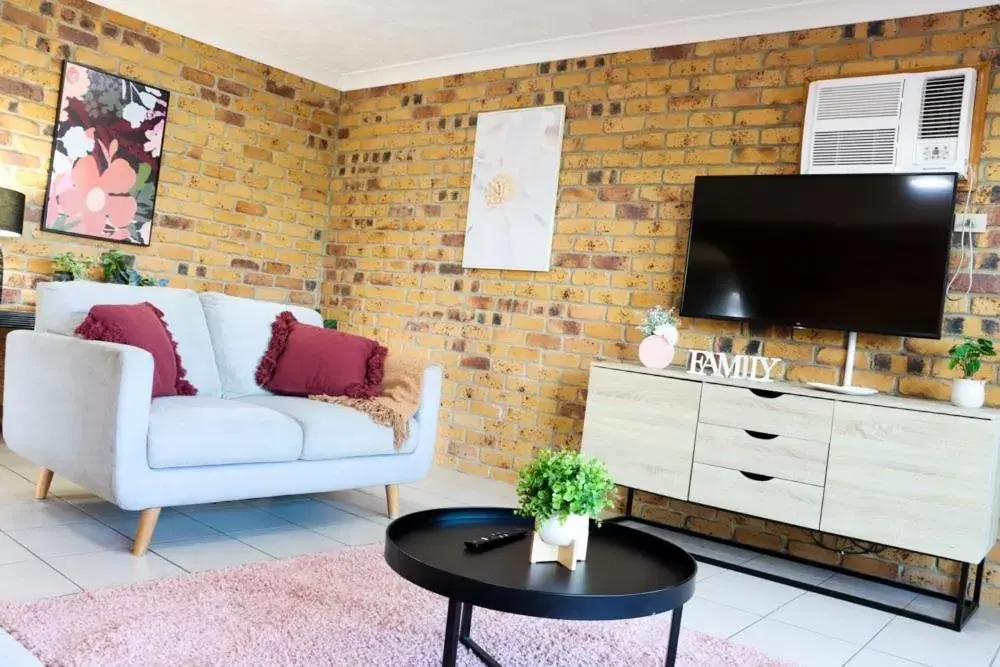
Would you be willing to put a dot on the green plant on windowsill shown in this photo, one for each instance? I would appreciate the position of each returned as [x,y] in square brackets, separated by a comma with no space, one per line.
[562,483]
[67,266]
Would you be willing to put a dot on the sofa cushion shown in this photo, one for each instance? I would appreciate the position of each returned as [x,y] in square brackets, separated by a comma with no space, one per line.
[141,325]
[187,431]
[63,306]
[334,431]
[303,360]
[240,330]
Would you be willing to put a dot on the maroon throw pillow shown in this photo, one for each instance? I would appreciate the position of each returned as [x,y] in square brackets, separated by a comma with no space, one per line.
[141,325]
[304,360]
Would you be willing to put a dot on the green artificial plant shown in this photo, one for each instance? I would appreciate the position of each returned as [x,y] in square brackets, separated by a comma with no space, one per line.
[75,265]
[118,269]
[116,266]
[656,318]
[561,482]
[969,355]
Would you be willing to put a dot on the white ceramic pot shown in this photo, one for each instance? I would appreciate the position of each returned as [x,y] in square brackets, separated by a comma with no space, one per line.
[968,393]
[668,332]
[561,533]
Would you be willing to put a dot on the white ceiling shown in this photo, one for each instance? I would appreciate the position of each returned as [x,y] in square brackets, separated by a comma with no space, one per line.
[352,44]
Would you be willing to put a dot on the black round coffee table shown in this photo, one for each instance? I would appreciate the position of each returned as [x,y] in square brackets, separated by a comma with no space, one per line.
[628,573]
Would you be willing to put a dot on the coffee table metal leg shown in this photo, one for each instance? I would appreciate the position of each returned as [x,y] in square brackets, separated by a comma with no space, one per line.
[451,633]
[466,639]
[466,620]
[675,633]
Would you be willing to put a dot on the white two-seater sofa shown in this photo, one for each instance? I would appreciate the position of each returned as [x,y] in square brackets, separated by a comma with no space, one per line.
[82,409]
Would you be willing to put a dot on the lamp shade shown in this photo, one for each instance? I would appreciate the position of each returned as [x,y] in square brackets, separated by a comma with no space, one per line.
[11,212]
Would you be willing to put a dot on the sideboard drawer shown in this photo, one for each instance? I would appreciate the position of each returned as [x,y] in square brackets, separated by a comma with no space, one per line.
[779,456]
[767,412]
[790,502]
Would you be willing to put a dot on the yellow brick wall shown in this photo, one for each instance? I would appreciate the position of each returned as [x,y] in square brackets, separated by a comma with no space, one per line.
[243,198]
[641,125]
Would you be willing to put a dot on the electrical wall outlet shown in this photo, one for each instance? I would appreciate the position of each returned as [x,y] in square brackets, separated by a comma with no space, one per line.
[973,222]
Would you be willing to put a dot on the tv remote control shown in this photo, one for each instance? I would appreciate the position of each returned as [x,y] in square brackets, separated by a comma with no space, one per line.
[494,540]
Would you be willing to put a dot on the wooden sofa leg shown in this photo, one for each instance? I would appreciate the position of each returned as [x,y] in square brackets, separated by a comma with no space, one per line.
[147,524]
[44,482]
[392,500]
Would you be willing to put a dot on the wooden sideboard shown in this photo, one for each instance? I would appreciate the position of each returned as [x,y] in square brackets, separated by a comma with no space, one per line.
[919,475]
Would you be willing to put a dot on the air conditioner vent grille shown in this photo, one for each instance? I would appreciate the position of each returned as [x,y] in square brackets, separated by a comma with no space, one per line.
[854,148]
[941,108]
[870,100]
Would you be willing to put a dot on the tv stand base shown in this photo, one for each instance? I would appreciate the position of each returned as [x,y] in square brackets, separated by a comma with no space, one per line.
[842,389]
[846,387]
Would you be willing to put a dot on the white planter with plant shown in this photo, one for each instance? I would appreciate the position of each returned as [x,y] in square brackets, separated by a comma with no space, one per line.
[660,327]
[562,490]
[967,392]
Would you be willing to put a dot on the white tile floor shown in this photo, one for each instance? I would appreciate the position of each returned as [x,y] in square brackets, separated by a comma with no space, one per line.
[75,541]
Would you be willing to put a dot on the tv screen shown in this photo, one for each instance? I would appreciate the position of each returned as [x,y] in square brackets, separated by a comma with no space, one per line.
[852,252]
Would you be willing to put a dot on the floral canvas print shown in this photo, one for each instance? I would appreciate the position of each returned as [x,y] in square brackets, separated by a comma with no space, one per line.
[515,184]
[105,157]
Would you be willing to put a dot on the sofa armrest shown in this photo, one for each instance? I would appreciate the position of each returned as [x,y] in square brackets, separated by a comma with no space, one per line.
[78,407]
[427,416]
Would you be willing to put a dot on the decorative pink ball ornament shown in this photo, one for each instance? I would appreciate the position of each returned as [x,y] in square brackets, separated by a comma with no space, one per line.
[655,352]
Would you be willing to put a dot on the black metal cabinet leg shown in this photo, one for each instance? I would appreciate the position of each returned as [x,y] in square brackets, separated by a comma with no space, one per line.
[451,630]
[466,620]
[675,634]
[963,586]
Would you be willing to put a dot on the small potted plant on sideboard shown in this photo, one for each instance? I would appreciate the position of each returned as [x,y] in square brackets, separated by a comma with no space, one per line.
[66,266]
[562,490]
[657,348]
[967,392]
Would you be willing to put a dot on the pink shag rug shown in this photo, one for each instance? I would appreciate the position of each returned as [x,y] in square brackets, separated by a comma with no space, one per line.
[341,609]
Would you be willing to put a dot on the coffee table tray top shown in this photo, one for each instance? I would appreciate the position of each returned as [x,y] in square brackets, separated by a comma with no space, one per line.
[628,573]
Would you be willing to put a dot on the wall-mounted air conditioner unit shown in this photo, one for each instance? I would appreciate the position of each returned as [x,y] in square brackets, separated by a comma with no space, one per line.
[890,123]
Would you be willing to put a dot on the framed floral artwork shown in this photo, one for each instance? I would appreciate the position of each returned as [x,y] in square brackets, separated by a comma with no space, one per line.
[515,185]
[105,156]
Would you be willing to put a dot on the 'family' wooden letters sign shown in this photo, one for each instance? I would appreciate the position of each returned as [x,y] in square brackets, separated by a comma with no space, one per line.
[740,366]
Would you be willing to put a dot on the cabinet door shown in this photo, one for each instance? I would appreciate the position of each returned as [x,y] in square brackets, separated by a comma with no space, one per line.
[915,480]
[642,426]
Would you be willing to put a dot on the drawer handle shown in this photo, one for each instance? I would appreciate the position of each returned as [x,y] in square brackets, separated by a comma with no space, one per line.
[761,436]
[764,393]
[755,477]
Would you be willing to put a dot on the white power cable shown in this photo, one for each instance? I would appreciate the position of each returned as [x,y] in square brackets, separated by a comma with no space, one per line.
[966,232]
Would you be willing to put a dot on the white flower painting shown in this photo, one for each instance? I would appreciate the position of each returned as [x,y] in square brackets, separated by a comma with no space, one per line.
[515,183]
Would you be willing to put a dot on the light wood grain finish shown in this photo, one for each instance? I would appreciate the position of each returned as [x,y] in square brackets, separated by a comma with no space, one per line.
[791,502]
[43,484]
[792,416]
[392,500]
[799,389]
[147,524]
[783,457]
[913,480]
[643,428]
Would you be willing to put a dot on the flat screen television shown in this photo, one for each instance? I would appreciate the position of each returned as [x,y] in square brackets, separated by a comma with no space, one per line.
[850,252]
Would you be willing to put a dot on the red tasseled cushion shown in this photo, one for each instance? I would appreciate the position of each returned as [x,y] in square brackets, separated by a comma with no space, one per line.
[304,360]
[141,325]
